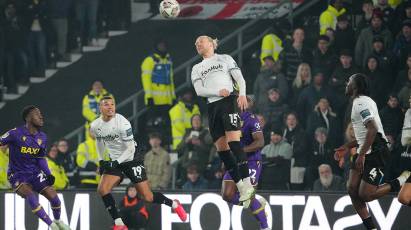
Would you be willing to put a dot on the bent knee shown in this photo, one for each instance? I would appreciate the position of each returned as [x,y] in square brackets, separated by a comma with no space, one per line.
[103,191]
[148,197]
[405,200]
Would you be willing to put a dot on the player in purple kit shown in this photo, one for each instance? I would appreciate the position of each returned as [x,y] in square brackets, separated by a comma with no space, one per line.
[28,172]
[252,141]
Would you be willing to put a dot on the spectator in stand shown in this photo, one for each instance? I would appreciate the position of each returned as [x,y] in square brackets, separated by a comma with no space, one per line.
[90,104]
[275,109]
[264,127]
[216,180]
[271,46]
[323,57]
[402,45]
[388,13]
[88,162]
[67,160]
[301,81]
[403,13]
[278,149]
[294,54]
[402,76]
[86,15]
[16,59]
[194,180]
[344,35]
[328,181]
[4,164]
[61,180]
[157,163]
[378,81]
[386,59]
[405,94]
[38,24]
[365,21]
[363,47]
[310,96]
[324,117]
[133,210]
[339,79]
[392,117]
[297,138]
[330,33]
[181,114]
[195,147]
[59,13]
[328,18]
[269,77]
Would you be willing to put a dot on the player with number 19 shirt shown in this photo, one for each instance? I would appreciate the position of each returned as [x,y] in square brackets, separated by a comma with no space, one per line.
[114,134]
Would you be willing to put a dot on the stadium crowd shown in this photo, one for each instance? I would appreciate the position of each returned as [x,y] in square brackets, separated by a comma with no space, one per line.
[299,99]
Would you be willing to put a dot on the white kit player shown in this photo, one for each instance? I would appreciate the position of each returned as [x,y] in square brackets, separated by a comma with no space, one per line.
[365,181]
[114,134]
[214,78]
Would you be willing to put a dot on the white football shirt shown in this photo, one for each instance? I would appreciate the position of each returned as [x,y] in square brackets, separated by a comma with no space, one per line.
[113,135]
[363,110]
[214,74]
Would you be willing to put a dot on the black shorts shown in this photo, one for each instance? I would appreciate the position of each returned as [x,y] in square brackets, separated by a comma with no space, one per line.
[223,116]
[374,162]
[134,170]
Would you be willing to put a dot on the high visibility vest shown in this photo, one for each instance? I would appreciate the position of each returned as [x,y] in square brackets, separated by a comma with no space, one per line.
[271,45]
[157,79]
[4,161]
[58,172]
[180,118]
[87,152]
[328,19]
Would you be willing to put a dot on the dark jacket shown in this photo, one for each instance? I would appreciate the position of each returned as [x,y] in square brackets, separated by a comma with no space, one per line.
[316,120]
[274,113]
[404,95]
[297,138]
[36,11]
[337,184]
[266,80]
[401,80]
[291,59]
[59,8]
[344,39]
[401,49]
[379,86]
[200,184]
[392,120]
[325,62]
[386,61]
[341,75]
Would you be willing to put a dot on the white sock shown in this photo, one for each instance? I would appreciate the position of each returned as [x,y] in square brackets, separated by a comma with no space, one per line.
[174,205]
[401,180]
[118,221]
[240,186]
[247,181]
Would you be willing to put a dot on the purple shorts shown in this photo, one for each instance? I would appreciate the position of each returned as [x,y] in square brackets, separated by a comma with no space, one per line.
[37,181]
[254,168]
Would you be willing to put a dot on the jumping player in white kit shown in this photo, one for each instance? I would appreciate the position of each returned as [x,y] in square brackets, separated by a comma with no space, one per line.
[365,181]
[214,78]
[115,135]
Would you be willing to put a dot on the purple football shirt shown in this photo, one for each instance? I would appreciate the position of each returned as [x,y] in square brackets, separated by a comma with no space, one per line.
[249,126]
[24,149]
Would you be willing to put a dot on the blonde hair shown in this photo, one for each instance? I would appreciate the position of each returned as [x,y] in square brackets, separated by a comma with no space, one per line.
[298,82]
[214,41]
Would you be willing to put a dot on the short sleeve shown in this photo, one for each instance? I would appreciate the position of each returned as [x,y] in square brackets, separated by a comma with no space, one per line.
[126,130]
[7,137]
[256,127]
[364,110]
[231,63]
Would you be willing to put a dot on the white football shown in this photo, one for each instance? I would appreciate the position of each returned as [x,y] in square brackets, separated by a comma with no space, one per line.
[169,8]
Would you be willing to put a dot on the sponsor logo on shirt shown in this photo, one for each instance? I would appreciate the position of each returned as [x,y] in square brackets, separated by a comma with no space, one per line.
[218,67]
[365,113]
[29,150]
[108,137]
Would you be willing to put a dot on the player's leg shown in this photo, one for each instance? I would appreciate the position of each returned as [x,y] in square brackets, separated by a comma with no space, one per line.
[107,183]
[25,191]
[359,205]
[404,197]
[55,203]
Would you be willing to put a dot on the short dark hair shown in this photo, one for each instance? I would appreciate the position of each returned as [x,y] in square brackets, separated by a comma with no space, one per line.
[361,84]
[26,111]
[154,135]
[193,168]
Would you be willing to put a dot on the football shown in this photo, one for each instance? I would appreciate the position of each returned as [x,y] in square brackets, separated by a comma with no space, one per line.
[169,8]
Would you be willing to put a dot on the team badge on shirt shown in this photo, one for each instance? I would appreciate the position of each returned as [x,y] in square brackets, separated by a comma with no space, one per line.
[39,141]
[24,138]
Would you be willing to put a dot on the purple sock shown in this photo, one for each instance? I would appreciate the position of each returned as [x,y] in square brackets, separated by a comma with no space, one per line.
[37,209]
[259,213]
[56,207]
[236,198]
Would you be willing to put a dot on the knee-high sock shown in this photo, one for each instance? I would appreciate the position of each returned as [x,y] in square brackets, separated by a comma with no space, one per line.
[255,207]
[110,204]
[241,157]
[56,207]
[36,208]
[230,164]
[159,198]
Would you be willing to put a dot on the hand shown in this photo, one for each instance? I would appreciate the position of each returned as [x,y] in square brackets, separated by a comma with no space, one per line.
[242,103]
[223,93]
[50,179]
[150,102]
[359,163]
[340,152]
